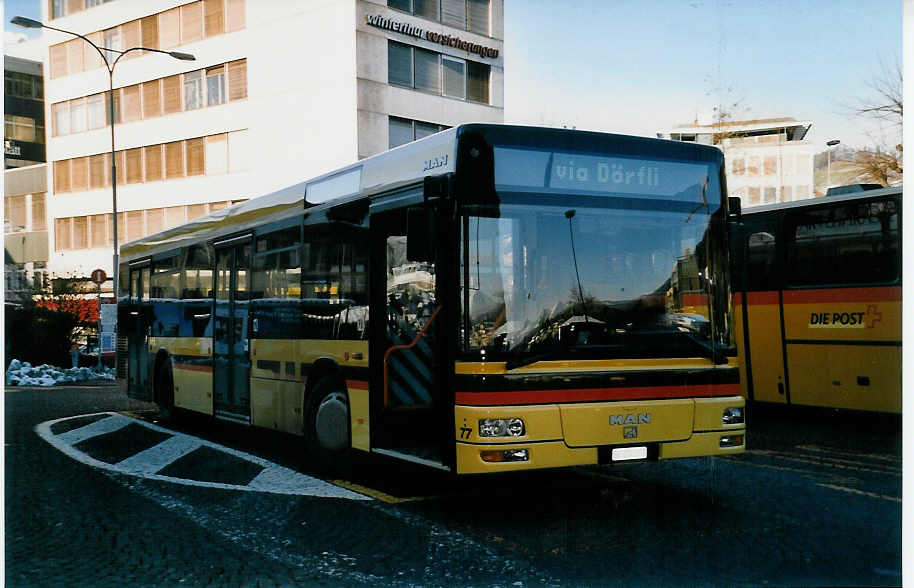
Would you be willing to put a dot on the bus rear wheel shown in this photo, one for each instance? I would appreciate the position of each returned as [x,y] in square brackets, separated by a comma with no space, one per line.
[327,423]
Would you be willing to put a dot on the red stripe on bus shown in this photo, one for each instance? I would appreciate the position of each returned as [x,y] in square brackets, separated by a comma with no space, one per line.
[193,367]
[595,394]
[762,297]
[694,300]
[357,384]
[880,294]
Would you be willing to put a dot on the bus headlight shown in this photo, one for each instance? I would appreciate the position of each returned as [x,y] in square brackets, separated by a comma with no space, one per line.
[733,416]
[512,427]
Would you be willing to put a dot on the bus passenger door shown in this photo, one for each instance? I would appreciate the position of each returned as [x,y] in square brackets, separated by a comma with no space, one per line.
[765,372]
[137,327]
[231,350]
[405,393]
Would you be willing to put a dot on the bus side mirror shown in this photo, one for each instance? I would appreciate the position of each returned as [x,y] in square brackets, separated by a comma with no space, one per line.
[734,204]
[420,234]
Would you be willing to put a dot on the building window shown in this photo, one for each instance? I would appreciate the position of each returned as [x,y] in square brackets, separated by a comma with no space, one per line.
[153,98]
[210,155]
[403,130]
[770,165]
[770,194]
[58,8]
[399,64]
[752,168]
[95,105]
[478,82]
[454,73]
[78,115]
[22,128]
[193,90]
[165,30]
[191,22]
[20,85]
[754,196]
[238,79]
[469,15]
[426,70]
[213,18]
[112,40]
[215,85]
[432,72]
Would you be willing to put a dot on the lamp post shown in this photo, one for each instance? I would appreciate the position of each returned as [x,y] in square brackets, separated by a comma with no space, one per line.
[109,65]
[829,144]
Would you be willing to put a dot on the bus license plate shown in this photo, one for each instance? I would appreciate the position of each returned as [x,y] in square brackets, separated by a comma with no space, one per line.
[628,453]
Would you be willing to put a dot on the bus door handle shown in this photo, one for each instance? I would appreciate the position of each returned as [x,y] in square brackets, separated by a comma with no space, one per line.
[781,388]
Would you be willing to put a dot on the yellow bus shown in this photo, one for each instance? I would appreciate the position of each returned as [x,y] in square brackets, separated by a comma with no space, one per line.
[818,303]
[486,299]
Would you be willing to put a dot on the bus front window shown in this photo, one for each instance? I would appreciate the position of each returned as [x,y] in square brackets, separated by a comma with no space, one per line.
[598,282]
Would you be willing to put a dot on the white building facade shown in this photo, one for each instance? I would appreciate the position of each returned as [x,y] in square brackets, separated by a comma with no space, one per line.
[767,161]
[279,92]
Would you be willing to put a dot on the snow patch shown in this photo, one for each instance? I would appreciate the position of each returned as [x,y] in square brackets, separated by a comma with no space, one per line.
[22,373]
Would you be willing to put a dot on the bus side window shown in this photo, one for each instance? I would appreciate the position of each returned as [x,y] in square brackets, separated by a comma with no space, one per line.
[760,257]
[848,244]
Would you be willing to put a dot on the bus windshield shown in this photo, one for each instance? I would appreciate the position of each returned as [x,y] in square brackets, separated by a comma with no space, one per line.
[588,281]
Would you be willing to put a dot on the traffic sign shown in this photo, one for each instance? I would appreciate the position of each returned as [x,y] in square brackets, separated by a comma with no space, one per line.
[99,276]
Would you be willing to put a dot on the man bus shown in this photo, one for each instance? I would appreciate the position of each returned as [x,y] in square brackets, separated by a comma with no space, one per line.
[490,298]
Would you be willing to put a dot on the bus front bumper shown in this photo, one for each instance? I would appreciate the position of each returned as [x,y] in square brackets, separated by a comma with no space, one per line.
[546,445]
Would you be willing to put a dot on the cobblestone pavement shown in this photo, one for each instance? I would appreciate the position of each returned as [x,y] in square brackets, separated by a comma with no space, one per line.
[815,501]
[70,524]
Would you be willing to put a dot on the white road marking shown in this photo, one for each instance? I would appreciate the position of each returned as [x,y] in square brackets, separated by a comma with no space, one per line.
[273,479]
[100,427]
[861,492]
[156,458]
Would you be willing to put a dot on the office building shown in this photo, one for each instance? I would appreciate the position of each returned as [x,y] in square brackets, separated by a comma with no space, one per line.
[280,91]
[767,160]
[25,233]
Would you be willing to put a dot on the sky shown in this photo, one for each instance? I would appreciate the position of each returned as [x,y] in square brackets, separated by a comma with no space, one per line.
[642,66]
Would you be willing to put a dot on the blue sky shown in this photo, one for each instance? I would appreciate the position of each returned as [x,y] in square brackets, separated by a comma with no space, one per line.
[639,66]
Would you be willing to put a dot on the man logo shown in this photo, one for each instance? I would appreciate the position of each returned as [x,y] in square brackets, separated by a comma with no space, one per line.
[630,433]
[641,418]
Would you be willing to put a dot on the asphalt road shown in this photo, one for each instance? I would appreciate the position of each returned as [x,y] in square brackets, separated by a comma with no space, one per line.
[815,501]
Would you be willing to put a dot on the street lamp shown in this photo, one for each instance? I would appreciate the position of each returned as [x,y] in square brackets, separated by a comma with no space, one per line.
[29,23]
[831,143]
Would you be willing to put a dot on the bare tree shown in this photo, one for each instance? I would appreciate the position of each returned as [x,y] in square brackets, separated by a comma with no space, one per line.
[887,100]
[886,104]
[878,166]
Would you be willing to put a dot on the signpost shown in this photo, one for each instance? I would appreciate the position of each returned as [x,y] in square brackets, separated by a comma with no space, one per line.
[99,277]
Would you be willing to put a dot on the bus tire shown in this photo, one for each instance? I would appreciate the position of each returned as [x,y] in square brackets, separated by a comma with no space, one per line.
[327,428]
[165,390]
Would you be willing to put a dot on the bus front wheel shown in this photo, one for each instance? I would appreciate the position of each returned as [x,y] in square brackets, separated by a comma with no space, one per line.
[327,425]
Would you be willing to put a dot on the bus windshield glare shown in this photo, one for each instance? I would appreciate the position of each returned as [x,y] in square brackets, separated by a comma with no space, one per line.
[607,270]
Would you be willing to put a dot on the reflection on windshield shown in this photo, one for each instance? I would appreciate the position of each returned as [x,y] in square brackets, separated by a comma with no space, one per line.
[547,277]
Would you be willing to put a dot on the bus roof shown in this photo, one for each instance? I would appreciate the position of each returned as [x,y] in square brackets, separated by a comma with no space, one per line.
[823,201]
[399,167]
